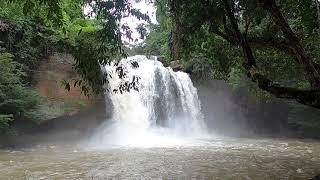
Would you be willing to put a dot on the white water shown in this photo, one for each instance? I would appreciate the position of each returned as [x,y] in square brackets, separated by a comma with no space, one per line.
[166,110]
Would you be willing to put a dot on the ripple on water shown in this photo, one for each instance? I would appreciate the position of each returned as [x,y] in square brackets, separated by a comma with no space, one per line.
[216,159]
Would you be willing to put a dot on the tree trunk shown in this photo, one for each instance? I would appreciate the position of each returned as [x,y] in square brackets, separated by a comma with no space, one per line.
[176,39]
[177,43]
[306,97]
[318,15]
[296,47]
[250,60]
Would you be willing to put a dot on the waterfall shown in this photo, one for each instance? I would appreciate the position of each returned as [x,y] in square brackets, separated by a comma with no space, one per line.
[165,107]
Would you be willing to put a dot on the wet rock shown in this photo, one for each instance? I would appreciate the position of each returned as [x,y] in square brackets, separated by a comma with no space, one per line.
[163,61]
[176,66]
[317,177]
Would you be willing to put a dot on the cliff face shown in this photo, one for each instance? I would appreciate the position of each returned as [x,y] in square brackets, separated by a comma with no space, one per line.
[77,112]
[51,71]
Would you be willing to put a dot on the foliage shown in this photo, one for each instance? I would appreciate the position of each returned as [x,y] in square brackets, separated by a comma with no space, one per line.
[16,100]
[209,56]
[29,37]
[62,25]
[49,109]
[155,44]
[158,41]
[31,33]
[220,39]
[256,34]
[200,34]
[142,30]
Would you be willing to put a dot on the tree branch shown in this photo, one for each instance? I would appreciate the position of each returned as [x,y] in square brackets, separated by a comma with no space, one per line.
[306,97]
[250,60]
[261,42]
[295,45]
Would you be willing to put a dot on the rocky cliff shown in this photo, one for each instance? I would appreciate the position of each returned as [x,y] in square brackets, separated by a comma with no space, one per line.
[77,113]
[51,71]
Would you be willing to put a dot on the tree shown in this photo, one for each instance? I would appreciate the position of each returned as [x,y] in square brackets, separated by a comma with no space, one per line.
[17,102]
[236,22]
[68,22]
[318,14]
[31,30]
[142,30]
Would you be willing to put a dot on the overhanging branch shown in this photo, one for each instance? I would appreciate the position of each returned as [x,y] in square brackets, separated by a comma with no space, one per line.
[306,97]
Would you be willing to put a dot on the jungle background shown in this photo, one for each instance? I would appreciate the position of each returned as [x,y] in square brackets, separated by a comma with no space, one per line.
[257,60]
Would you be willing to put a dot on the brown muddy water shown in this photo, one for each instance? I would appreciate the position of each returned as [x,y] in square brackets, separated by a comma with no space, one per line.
[207,159]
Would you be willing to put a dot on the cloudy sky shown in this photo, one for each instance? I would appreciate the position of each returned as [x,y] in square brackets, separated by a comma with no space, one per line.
[145,6]
[133,22]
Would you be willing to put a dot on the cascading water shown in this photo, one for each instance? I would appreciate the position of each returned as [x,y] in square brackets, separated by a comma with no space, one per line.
[165,110]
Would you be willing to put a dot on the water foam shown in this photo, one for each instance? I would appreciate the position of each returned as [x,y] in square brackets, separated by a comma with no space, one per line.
[165,111]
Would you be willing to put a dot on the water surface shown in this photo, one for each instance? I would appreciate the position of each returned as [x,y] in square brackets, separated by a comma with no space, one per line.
[208,159]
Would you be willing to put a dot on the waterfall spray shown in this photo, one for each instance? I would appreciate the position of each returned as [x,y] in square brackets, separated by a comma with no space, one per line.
[166,109]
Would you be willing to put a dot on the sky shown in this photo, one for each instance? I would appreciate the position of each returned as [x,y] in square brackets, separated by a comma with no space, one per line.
[146,7]
[133,22]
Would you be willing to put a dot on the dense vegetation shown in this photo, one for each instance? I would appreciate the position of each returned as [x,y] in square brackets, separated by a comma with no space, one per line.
[17,101]
[32,30]
[26,37]
[261,38]
[269,47]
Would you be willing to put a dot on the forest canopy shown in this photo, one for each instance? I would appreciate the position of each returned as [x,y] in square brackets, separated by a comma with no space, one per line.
[273,44]
[32,30]
[271,36]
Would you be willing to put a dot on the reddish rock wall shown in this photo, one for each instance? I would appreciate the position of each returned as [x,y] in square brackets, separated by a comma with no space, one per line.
[49,75]
[78,121]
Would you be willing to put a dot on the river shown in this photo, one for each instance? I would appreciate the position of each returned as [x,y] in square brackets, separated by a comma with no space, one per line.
[218,158]
[159,132]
